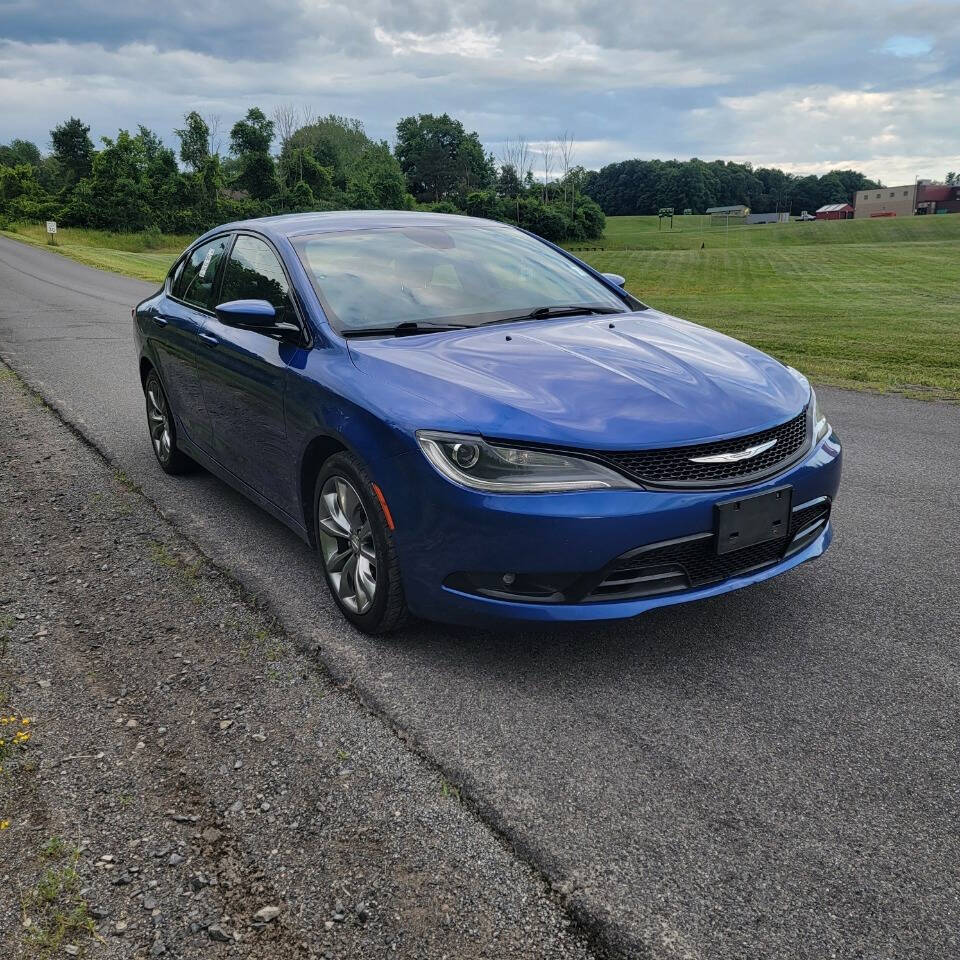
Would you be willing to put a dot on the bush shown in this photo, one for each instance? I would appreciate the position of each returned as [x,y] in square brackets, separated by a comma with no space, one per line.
[547,221]
[483,203]
[22,198]
[152,238]
[444,206]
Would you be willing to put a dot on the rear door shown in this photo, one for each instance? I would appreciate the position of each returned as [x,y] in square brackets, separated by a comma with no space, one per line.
[244,375]
[177,324]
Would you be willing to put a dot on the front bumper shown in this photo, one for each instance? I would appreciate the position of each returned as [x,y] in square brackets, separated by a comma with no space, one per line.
[443,531]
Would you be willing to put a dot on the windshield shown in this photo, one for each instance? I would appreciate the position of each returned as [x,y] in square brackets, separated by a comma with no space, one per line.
[442,275]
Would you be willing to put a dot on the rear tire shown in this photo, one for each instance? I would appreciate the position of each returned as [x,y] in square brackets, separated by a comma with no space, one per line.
[163,429]
[357,548]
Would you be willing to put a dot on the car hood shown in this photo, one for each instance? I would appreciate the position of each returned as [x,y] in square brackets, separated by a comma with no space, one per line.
[626,382]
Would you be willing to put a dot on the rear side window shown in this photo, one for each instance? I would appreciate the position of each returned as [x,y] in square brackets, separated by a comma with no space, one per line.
[253,272]
[175,272]
[196,282]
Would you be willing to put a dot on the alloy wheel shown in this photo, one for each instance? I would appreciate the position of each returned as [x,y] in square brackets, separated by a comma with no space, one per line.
[158,418]
[347,544]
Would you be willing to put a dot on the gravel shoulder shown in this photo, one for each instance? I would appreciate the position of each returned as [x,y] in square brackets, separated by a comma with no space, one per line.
[190,784]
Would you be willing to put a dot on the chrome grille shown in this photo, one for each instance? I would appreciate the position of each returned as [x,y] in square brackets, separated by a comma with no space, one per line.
[672,466]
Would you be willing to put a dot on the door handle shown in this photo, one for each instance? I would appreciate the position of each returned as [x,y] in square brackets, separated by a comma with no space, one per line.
[160,320]
[208,338]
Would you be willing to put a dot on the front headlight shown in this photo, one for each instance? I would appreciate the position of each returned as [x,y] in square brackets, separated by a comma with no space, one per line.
[472,462]
[820,426]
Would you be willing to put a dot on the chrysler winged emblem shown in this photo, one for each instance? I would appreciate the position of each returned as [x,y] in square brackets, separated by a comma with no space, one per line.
[737,455]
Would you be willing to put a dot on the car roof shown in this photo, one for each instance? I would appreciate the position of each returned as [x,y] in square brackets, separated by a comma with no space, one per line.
[301,224]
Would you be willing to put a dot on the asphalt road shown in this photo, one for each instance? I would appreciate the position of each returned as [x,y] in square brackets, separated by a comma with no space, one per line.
[773,773]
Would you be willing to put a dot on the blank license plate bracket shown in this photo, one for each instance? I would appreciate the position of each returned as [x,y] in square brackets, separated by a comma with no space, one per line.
[756,518]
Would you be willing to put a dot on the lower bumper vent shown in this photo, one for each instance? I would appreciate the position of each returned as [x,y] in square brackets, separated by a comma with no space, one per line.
[693,561]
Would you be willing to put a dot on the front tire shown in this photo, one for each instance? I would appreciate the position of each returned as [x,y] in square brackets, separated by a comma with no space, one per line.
[356,547]
[163,430]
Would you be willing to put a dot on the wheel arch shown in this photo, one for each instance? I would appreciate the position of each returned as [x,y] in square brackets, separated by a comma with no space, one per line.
[146,366]
[318,451]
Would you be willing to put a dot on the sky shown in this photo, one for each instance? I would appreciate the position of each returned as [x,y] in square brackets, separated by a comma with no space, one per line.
[807,85]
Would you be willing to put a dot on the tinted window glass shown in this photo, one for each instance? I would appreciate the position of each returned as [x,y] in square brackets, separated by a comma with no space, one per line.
[253,272]
[464,274]
[196,283]
[175,272]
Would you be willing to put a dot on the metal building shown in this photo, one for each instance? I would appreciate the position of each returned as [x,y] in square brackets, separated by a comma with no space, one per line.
[724,216]
[887,202]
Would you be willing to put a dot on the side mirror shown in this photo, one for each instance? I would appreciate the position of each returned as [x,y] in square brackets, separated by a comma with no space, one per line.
[616,278]
[258,314]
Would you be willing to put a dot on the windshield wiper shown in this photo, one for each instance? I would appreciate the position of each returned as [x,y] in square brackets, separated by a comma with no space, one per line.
[411,327]
[405,329]
[567,310]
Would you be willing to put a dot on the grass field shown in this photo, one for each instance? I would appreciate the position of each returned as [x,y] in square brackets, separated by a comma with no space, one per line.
[647,233]
[868,304]
[145,256]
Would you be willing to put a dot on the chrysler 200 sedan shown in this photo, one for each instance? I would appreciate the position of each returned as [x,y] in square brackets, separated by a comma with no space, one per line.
[468,423]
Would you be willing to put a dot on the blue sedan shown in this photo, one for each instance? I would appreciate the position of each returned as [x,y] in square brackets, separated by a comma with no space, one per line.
[470,424]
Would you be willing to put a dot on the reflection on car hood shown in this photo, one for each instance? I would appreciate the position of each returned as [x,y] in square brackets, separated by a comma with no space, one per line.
[649,380]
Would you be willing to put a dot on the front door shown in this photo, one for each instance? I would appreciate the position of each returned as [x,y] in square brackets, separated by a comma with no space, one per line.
[244,375]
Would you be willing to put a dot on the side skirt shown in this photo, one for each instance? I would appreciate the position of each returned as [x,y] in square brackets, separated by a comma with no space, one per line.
[218,470]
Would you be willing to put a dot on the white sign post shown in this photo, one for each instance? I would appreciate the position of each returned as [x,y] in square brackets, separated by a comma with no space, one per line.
[51,231]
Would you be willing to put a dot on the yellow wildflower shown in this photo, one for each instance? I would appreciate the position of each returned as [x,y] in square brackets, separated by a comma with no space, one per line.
[4,824]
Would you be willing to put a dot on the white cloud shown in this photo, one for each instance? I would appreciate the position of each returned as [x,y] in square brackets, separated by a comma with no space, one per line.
[807,85]
[464,42]
[894,136]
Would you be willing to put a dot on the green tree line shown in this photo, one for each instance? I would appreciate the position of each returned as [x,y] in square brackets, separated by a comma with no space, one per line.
[647,186]
[134,182]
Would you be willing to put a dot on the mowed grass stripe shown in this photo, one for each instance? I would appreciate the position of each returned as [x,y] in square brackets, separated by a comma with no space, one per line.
[875,316]
[633,233]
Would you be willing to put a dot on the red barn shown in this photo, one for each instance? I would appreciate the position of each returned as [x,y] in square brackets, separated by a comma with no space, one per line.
[835,211]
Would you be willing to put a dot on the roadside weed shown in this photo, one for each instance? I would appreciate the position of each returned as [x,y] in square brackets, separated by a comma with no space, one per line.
[448,789]
[54,848]
[15,734]
[126,482]
[54,913]
[163,557]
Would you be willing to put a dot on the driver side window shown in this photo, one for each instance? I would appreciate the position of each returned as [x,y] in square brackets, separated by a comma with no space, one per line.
[253,272]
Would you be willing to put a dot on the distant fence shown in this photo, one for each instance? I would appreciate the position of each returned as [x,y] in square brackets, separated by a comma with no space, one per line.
[726,220]
[768,218]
